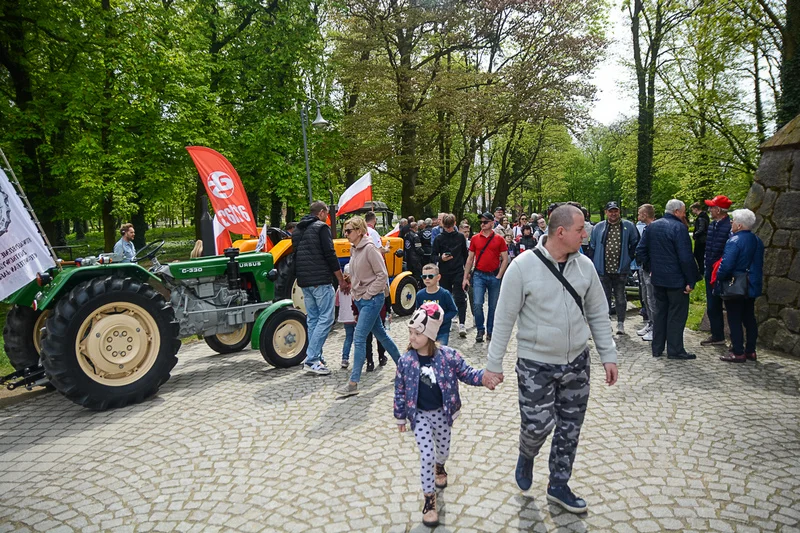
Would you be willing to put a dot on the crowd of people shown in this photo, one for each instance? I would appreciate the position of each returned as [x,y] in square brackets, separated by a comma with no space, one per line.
[559,278]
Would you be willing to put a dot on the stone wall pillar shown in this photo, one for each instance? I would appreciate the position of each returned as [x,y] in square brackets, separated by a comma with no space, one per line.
[775,199]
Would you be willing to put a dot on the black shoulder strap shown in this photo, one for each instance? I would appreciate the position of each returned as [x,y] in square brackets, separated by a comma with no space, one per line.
[560,277]
[485,246]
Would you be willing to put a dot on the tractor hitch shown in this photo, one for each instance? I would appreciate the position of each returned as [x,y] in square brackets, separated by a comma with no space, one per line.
[29,378]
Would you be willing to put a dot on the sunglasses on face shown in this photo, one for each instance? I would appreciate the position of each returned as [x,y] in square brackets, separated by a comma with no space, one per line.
[428,276]
[347,231]
[486,222]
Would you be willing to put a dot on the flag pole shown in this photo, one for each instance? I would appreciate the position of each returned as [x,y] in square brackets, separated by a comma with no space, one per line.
[21,194]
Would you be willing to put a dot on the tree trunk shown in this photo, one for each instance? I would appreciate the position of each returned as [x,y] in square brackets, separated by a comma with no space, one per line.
[199,194]
[140,226]
[762,131]
[789,105]
[109,228]
[80,229]
[275,207]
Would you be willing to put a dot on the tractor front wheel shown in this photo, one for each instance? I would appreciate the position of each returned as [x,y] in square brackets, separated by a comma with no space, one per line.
[284,338]
[22,336]
[230,342]
[110,342]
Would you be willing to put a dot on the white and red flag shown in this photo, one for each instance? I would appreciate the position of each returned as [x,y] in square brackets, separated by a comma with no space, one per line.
[395,231]
[356,195]
[232,211]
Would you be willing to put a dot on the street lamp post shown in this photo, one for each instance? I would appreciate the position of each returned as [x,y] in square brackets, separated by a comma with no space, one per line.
[319,122]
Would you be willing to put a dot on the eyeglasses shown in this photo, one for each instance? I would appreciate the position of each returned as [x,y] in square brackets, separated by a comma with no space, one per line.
[348,230]
[428,276]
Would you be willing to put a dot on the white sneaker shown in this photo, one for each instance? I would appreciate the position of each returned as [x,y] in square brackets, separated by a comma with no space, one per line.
[648,336]
[644,330]
[317,368]
[462,331]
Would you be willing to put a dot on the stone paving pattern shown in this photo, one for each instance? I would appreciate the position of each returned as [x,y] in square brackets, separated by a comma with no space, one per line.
[233,444]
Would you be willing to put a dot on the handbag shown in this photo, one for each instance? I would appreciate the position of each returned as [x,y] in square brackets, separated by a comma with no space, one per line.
[738,287]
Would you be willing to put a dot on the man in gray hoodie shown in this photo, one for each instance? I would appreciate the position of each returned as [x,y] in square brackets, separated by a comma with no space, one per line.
[555,320]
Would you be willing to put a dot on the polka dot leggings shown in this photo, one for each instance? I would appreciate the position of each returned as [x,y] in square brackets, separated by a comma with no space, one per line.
[433,438]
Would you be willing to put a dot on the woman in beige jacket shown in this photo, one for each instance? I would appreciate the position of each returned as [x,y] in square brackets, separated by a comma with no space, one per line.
[368,278]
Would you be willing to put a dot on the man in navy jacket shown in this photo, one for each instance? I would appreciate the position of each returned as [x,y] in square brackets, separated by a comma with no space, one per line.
[666,250]
[718,233]
[612,248]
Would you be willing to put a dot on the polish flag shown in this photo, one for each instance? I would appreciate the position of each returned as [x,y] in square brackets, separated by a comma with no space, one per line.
[395,231]
[356,195]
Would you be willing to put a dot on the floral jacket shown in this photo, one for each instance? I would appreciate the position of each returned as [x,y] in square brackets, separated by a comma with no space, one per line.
[449,368]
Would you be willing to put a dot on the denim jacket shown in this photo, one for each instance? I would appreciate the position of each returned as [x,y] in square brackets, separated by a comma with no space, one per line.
[449,368]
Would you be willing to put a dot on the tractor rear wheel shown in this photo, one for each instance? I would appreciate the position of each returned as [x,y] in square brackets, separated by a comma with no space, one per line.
[286,285]
[405,296]
[22,335]
[110,342]
[230,342]
[284,338]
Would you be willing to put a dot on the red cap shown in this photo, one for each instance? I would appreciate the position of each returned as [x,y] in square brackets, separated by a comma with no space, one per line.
[719,201]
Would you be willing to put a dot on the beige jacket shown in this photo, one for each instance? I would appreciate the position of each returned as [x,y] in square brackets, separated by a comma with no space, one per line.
[367,270]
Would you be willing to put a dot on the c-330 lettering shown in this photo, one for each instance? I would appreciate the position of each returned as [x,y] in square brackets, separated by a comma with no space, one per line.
[191,270]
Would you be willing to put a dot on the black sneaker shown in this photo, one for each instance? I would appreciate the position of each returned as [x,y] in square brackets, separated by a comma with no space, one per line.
[370,366]
[524,472]
[659,354]
[685,356]
[488,336]
[479,337]
[564,497]
[382,360]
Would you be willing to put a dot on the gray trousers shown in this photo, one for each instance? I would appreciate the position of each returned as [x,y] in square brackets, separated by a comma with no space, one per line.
[553,396]
[648,295]
[616,283]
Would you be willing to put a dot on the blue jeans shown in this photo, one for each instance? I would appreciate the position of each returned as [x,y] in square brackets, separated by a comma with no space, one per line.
[349,330]
[369,320]
[443,338]
[481,283]
[319,301]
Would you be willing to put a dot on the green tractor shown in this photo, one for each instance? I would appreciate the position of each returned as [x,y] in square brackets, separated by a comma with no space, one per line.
[105,333]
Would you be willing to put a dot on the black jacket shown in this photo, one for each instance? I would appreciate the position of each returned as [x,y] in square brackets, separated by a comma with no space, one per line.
[666,251]
[528,241]
[700,228]
[413,249]
[456,244]
[719,232]
[314,256]
[425,239]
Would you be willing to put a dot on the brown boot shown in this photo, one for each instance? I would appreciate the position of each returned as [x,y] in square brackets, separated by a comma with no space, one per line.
[441,477]
[430,516]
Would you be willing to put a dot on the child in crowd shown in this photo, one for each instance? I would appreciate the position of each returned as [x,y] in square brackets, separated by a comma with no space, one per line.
[433,293]
[344,301]
[426,394]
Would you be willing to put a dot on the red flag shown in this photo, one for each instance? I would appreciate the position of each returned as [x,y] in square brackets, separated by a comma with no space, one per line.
[395,231]
[232,211]
[356,195]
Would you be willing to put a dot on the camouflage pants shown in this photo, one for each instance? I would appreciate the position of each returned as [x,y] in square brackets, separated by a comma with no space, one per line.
[553,396]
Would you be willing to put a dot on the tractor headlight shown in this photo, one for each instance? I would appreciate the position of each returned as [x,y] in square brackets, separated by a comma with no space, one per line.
[272,275]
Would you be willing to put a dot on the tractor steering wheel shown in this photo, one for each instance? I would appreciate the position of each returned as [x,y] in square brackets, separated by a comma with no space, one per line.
[148,252]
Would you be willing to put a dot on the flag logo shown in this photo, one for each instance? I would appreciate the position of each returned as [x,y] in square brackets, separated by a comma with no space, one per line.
[220,184]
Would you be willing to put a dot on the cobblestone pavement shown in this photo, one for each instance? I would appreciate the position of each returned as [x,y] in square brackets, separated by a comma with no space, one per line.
[233,444]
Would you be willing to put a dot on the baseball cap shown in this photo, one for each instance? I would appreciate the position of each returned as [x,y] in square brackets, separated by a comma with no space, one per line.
[487,215]
[611,205]
[719,201]
[500,208]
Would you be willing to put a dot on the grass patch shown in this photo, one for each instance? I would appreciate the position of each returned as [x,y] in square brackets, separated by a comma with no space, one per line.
[697,306]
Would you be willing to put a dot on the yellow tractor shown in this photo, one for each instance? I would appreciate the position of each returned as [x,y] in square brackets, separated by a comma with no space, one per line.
[402,285]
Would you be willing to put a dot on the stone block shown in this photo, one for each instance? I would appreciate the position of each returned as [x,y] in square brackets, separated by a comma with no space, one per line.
[769,201]
[794,180]
[791,319]
[775,310]
[762,309]
[782,291]
[777,261]
[794,270]
[784,340]
[767,330]
[786,213]
[754,197]
[781,238]
[775,168]
[765,232]
[794,240]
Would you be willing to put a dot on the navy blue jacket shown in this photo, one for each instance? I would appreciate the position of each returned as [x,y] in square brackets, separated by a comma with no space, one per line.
[597,246]
[718,233]
[744,251]
[666,251]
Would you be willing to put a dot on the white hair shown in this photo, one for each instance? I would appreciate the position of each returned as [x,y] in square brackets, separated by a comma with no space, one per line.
[428,221]
[674,205]
[745,217]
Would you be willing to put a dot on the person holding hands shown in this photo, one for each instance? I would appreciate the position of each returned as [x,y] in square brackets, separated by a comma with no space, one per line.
[426,395]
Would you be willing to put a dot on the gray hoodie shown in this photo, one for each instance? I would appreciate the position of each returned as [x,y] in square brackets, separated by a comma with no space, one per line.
[551,328]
